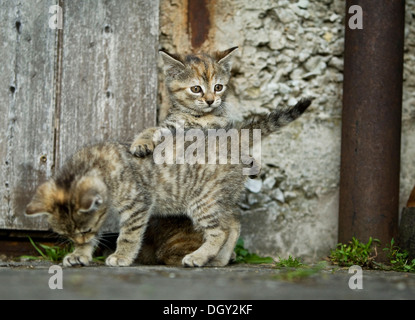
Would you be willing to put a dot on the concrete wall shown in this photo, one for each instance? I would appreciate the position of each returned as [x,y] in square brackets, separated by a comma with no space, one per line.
[290,49]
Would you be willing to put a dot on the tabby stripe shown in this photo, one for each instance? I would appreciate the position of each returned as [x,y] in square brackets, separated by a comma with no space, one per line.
[134,228]
[134,220]
[209,220]
[206,199]
[127,207]
[124,240]
[212,227]
[177,89]
[204,206]
[214,224]
[127,216]
[210,216]
[189,177]
[180,181]
[138,211]
[179,185]
[207,190]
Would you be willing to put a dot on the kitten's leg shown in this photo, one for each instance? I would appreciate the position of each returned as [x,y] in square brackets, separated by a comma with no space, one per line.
[133,225]
[144,143]
[82,255]
[227,250]
[214,237]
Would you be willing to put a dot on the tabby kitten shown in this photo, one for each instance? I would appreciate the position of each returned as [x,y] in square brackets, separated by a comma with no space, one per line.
[168,239]
[197,87]
[106,179]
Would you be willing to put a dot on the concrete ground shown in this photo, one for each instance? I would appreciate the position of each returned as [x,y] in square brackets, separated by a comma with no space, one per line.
[30,280]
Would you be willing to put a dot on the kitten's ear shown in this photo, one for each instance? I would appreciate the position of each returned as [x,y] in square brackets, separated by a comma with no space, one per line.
[224,58]
[90,194]
[90,202]
[43,200]
[172,63]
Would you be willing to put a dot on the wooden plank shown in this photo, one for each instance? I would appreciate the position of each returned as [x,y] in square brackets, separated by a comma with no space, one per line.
[109,75]
[27,55]
[102,71]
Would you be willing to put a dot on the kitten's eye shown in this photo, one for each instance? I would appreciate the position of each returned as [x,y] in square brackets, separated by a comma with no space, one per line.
[218,87]
[87,231]
[196,89]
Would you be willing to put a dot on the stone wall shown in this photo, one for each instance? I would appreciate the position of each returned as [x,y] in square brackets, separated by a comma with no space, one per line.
[288,50]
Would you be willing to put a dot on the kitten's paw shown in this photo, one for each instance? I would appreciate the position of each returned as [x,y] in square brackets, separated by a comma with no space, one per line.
[194,260]
[74,259]
[142,147]
[216,262]
[116,260]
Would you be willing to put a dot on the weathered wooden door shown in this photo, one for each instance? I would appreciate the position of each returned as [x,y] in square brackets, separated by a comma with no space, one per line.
[95,79]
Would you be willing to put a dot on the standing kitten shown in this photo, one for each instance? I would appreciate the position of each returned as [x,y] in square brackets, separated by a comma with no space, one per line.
[106,179]
[197,86]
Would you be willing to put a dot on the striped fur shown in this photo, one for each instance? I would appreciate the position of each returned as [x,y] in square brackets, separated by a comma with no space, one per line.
[275,120]
[205,109]
[173,212]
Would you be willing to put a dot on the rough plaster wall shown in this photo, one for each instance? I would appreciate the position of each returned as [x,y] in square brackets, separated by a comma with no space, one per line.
[408,112]
[290,49]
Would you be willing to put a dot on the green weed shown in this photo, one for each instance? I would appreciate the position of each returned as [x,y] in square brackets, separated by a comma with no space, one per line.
[300,272]
[54,253]
[354,253]
[398,258]
[51,253]
[290,262]
[244,256]
[364,255]
[291,269]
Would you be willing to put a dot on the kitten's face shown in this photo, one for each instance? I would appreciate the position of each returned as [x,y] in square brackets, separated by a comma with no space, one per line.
[77,213]
[198,82]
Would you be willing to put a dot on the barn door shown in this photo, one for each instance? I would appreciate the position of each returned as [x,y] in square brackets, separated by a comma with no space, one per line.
[95,79]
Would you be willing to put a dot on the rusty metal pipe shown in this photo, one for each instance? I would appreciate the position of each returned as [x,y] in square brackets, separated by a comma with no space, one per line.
[199,21]
[371,122]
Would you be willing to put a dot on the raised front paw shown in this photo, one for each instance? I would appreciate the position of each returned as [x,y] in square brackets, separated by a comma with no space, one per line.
[142,147]
[74,259]
[116,260]
[195,260]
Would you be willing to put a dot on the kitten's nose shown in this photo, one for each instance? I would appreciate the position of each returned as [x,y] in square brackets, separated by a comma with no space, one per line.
[209,102]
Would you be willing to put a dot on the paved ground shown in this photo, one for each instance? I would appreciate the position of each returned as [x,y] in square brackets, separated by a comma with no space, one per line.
[30,280]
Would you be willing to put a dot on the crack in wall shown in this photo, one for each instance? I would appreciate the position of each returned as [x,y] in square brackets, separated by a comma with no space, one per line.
[58,86]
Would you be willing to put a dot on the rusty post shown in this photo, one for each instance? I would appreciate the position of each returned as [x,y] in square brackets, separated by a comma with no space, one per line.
[198,21]
[371,122]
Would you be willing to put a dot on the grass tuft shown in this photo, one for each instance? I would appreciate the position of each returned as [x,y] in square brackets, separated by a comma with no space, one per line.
[51,253]
[244,256]
[364,254]
[355,253]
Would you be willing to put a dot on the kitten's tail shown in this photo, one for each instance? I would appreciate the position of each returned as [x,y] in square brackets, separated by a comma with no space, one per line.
[267,124]
[276,119]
